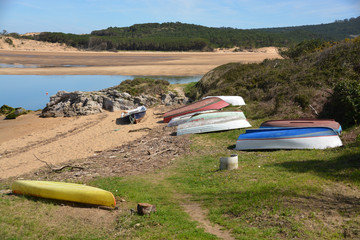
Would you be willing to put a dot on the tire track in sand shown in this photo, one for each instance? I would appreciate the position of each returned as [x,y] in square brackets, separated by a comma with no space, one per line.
[40,143]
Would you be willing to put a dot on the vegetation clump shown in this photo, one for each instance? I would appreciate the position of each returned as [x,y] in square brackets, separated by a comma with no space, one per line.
[5,109]
[146,86]
[12,113]
[314,76]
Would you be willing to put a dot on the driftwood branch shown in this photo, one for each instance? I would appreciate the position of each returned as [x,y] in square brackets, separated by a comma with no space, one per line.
[48,165]
[317,114]
[66,166]
[59,168]
[160,152]
[140,129]
[158,114]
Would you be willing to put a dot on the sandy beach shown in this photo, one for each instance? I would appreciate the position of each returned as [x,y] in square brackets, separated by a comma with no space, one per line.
[50,59]
[28,139]
[126,63]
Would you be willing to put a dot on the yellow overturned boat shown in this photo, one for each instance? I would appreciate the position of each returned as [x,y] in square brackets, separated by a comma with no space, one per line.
[64,191]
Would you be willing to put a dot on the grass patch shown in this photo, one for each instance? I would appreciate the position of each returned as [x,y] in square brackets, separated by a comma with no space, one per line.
[169,222]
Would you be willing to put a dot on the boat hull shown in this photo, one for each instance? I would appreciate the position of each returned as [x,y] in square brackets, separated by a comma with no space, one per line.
[213,103]
[213,122]
[135,115]
[303,123]
[288,138]
[216,115]
[233,100]
[65,192]
[184,118]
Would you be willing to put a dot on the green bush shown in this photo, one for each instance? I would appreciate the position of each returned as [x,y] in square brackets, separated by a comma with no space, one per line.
[303,48]
[9,41]
[5,109]
[139,86]
[188,88]
[17,112]
[344,105]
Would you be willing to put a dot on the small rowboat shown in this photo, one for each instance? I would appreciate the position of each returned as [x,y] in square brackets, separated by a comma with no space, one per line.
[202,105]
[331,123]
[233,100]
[212,122]
[288,138]
[65,192]
[184,118]
[135,115]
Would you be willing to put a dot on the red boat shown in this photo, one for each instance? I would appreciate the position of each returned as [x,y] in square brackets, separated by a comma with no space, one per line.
[202,105]
[331,123]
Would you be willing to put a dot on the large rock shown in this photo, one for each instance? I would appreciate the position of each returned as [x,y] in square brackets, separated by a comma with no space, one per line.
[172,98]
[69,104]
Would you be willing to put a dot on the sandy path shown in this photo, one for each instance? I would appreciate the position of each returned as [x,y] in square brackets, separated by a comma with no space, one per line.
[56,140]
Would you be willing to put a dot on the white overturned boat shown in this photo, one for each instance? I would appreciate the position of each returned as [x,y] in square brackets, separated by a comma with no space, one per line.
[212,122]
[288,138]
[233,100]
[184,118]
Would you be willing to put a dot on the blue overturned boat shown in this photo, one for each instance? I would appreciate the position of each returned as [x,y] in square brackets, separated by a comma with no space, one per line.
[304,122]
[288,138]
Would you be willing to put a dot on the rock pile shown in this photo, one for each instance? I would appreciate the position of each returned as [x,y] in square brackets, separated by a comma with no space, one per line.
[172,99]
[69,104]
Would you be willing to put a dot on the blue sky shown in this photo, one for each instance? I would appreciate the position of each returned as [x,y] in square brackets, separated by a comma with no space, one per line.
[83,16]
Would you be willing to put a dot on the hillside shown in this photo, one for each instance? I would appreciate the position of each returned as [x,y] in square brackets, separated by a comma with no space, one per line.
[323,81]
[189,37]
[338,30]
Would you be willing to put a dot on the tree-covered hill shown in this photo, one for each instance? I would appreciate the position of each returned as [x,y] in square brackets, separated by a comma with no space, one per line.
[189,37]
[338,30]
[321,80]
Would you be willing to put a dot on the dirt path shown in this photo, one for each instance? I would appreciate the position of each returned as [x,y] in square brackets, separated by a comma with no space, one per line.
[199,214]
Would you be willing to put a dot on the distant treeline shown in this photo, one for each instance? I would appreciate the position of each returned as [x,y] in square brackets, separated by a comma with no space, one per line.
[187,37]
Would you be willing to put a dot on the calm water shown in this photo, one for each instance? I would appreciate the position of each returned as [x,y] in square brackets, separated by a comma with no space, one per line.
[29,91]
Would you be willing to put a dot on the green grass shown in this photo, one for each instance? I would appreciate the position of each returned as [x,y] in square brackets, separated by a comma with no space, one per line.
[311,194]
[169,222]
[255,200]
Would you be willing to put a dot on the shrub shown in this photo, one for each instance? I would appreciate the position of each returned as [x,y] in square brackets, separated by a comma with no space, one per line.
[9,41]
[5,109]
[303,48]
[17,112]
[188,88]
[303,100]
[139,86]
[344,104]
